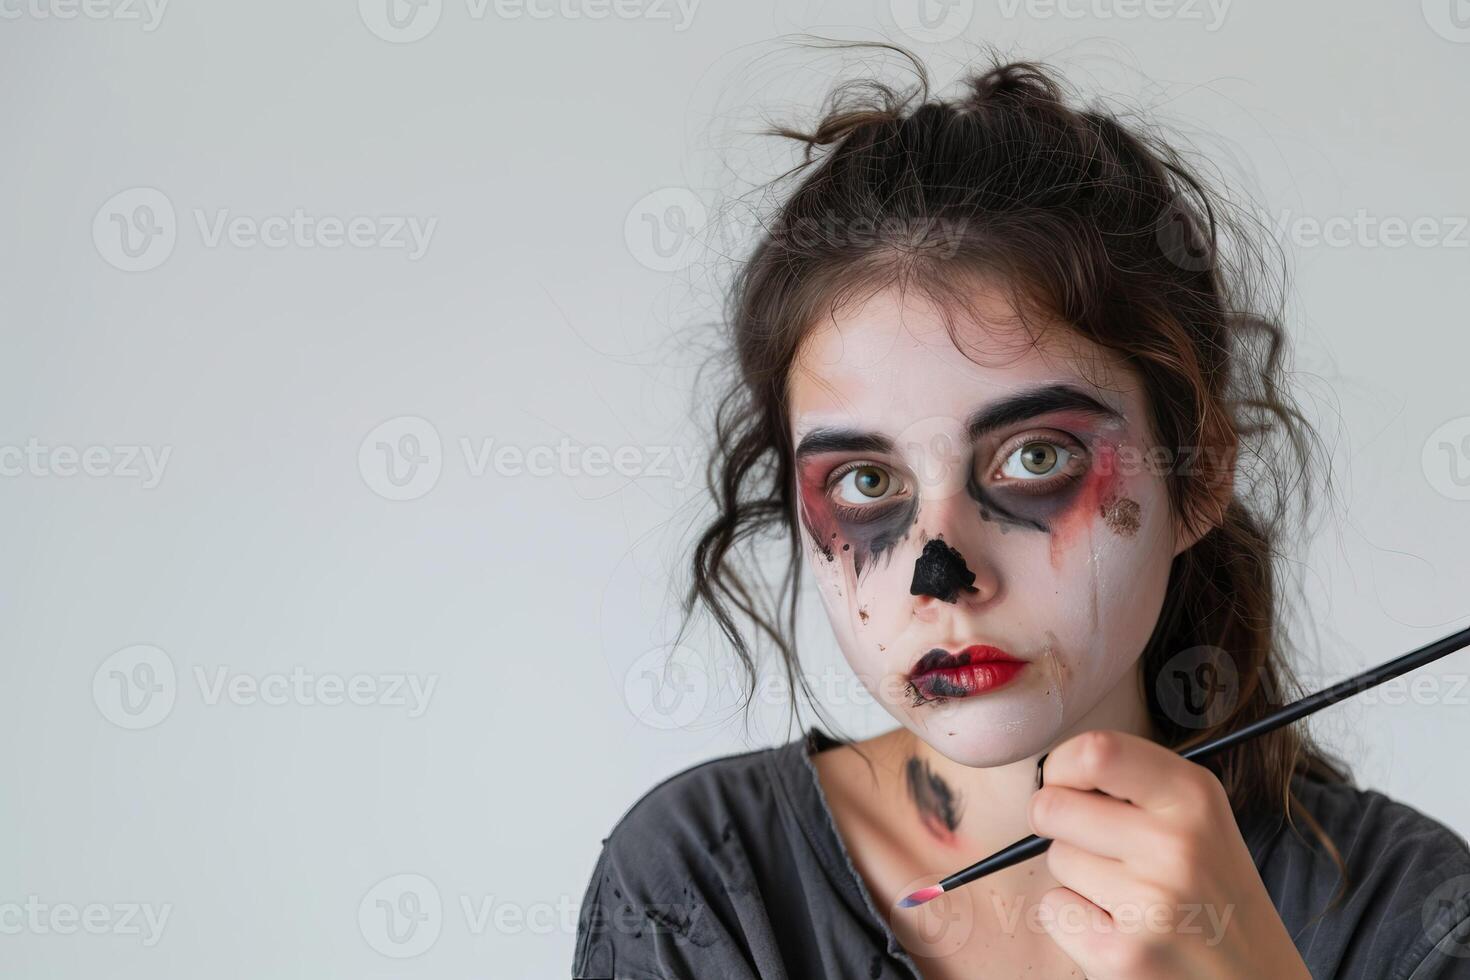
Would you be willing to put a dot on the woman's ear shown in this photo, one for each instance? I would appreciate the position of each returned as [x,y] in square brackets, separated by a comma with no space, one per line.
[1216,483]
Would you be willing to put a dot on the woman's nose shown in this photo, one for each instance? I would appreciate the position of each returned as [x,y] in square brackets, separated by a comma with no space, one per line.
[940,571]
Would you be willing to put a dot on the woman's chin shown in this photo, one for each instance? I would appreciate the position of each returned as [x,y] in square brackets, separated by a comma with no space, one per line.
[974,732]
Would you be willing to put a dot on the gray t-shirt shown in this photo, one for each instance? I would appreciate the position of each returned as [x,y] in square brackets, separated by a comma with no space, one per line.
[733,869]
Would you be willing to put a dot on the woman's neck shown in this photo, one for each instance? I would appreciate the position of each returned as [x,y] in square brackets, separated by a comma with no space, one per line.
[981,810]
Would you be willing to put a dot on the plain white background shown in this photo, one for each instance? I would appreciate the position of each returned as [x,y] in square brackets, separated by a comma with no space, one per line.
[300,678]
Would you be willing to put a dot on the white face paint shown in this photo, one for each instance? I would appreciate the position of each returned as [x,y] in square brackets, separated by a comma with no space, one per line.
[1056,511]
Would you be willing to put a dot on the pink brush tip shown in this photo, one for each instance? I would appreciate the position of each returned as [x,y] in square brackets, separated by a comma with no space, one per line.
[921,896]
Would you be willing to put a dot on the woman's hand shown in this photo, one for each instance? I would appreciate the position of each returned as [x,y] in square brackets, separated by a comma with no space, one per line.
[1155,878]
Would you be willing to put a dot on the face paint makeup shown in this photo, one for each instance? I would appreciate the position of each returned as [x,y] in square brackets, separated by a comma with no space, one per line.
[939,807]
[1121,515]
[982,507]
[974,670]
[835,525]
[940,572]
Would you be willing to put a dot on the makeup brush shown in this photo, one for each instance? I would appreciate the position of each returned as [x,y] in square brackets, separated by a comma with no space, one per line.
[1031,846]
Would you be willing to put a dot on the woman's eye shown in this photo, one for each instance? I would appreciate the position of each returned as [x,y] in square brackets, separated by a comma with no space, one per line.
[865,484]
[1036,460]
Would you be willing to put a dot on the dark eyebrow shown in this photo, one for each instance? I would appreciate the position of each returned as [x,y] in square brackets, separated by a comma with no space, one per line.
[830,440]
[1007,411]
[1036,401]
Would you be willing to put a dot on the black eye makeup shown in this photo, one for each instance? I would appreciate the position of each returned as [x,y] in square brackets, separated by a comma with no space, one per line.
[1028,479]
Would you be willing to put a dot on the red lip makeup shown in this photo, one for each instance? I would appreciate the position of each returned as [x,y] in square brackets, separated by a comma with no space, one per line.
[974,670]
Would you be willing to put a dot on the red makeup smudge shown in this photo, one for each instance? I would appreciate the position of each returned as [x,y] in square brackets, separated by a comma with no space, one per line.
[1098,485]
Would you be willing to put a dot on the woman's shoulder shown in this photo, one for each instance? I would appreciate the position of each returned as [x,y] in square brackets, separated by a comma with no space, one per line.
[707,797]
[1406,906]
[673,859]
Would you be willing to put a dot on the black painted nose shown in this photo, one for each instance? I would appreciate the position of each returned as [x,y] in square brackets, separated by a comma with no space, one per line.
[940,571]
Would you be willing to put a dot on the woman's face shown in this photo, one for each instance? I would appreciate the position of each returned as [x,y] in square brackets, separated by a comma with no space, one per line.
[988,531]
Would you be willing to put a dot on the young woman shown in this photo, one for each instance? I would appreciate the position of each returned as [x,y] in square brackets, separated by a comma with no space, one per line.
[1016,398]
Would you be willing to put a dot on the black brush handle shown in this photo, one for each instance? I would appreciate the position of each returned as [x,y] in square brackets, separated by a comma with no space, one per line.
[1029,847]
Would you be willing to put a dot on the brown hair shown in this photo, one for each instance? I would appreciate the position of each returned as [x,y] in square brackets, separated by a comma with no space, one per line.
[1105,228]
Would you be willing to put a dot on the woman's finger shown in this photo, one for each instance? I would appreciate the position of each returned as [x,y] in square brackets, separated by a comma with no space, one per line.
[1098,879]
[1093,821]
[1130,768]
[1080,928]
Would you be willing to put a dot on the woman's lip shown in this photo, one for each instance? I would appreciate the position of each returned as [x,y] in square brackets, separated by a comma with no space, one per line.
[939,659]
[974,670]
[962,682]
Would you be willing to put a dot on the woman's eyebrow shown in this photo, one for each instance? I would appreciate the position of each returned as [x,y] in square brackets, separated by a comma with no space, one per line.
[1037,401]
[1007,411]
[826,439]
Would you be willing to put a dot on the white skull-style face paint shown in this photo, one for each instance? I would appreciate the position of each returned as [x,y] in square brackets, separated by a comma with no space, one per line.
[989,539]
